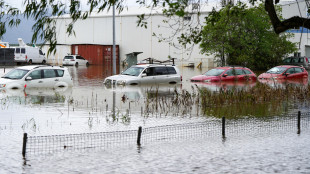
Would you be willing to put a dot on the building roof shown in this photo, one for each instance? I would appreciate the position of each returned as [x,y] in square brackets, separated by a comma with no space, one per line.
[135,10]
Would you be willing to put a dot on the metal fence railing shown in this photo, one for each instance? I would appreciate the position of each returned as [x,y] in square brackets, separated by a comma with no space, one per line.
[215,128]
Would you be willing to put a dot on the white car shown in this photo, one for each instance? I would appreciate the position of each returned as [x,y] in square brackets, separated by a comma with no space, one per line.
[146,74]
[36,76]
[75,60]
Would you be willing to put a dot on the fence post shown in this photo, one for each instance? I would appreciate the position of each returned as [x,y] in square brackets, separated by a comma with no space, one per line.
[139,135]
[223,127]
[24,144]
[298,122]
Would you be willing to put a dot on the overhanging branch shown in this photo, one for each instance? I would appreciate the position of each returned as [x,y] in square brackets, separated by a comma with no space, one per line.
[281,26]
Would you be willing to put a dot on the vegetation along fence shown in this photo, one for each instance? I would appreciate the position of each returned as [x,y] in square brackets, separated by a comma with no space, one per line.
[216,127]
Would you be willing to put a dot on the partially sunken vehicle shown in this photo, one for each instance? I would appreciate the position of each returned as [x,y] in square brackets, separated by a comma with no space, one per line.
[146,74]
[40,76]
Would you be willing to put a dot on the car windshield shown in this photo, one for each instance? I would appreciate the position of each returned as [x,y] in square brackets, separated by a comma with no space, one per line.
[16,74]
[133,71]
[68,57]
[276,70]
[214,72]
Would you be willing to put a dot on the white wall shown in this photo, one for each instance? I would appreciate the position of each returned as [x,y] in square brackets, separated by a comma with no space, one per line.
[130,38]
[62,51]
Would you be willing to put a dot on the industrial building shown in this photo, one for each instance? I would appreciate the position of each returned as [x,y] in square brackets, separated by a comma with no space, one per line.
[93,37]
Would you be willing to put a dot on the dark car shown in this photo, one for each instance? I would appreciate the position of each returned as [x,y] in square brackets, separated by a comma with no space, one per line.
[297,61]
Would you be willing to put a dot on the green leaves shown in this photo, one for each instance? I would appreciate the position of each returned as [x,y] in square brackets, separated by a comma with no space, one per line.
[240,35]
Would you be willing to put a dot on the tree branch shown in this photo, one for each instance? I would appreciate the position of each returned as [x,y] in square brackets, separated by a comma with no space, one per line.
[281,26]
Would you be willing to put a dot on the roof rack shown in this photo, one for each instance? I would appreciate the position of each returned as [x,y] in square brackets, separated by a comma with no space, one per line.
[155,61]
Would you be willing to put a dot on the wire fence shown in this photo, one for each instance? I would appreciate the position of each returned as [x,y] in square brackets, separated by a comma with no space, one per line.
[213,128]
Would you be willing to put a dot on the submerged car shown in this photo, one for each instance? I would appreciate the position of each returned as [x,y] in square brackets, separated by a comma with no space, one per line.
[284,72]
[226,74]
[40,76]
[297,61]
[75,60]
[146,74]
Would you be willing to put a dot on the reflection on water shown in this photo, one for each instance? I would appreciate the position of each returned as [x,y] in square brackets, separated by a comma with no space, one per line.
[86,108]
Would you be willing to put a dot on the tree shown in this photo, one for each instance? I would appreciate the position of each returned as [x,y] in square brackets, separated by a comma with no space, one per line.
[238,37]
[44,27]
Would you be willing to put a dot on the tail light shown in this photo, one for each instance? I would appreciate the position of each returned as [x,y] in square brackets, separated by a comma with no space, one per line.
[181,78]
[26,57]
[72,59]
[307,59]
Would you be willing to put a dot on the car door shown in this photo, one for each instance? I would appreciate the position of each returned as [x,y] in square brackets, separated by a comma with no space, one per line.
[36,79]
[229,75]
[161,75]
[290,73]
[49,78]
[148,76]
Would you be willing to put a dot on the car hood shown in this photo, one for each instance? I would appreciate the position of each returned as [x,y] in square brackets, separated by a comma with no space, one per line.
[122,77]
[200,78]
[268,76]
[5,81]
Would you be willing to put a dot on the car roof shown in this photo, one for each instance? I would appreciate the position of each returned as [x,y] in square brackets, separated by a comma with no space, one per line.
[229,67]
[289,66]
[30,67]
[151,65]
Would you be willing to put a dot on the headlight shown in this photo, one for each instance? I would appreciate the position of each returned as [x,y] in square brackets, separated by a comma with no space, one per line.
[2,85]
[121,82]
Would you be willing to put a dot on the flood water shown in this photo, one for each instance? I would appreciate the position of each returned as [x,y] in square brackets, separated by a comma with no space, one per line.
[87,108]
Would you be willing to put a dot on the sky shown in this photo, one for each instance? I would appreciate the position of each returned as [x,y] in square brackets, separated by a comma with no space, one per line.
[24,30]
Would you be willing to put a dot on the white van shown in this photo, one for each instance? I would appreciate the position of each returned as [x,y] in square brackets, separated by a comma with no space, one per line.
[27,54]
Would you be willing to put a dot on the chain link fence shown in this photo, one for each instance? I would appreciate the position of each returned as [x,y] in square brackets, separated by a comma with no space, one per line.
[214,128]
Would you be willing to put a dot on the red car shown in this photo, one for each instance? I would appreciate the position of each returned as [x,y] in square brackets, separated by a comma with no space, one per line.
[226,74]
[285,72]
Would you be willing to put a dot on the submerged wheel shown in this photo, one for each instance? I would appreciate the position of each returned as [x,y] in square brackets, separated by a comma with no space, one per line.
[76,64]
[43,62]
[87,64]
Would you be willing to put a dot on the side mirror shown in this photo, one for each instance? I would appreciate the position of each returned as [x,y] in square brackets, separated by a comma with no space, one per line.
[28,78]
[143,75]
[225,75]
[286,74]
[147,70]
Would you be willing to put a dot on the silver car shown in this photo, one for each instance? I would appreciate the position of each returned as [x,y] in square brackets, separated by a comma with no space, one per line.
[146,74]
[297,61]
[75,60]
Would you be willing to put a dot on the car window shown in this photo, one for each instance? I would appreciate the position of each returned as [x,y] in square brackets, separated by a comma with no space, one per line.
[298,70]
[79,57]
[68,57]
[23,51]
[276,70]
[49,73]
[60,73]
[287,60]
[214,72]
[133,71]
[40,52]
[16,74]
[171,70]
[161,71]
[295,60]
[35,74]
[239,72]
[290,71]
[17,50]
[247,71]
[230,72]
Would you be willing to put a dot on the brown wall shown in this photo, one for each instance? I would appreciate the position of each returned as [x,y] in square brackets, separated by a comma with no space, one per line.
[98,55]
